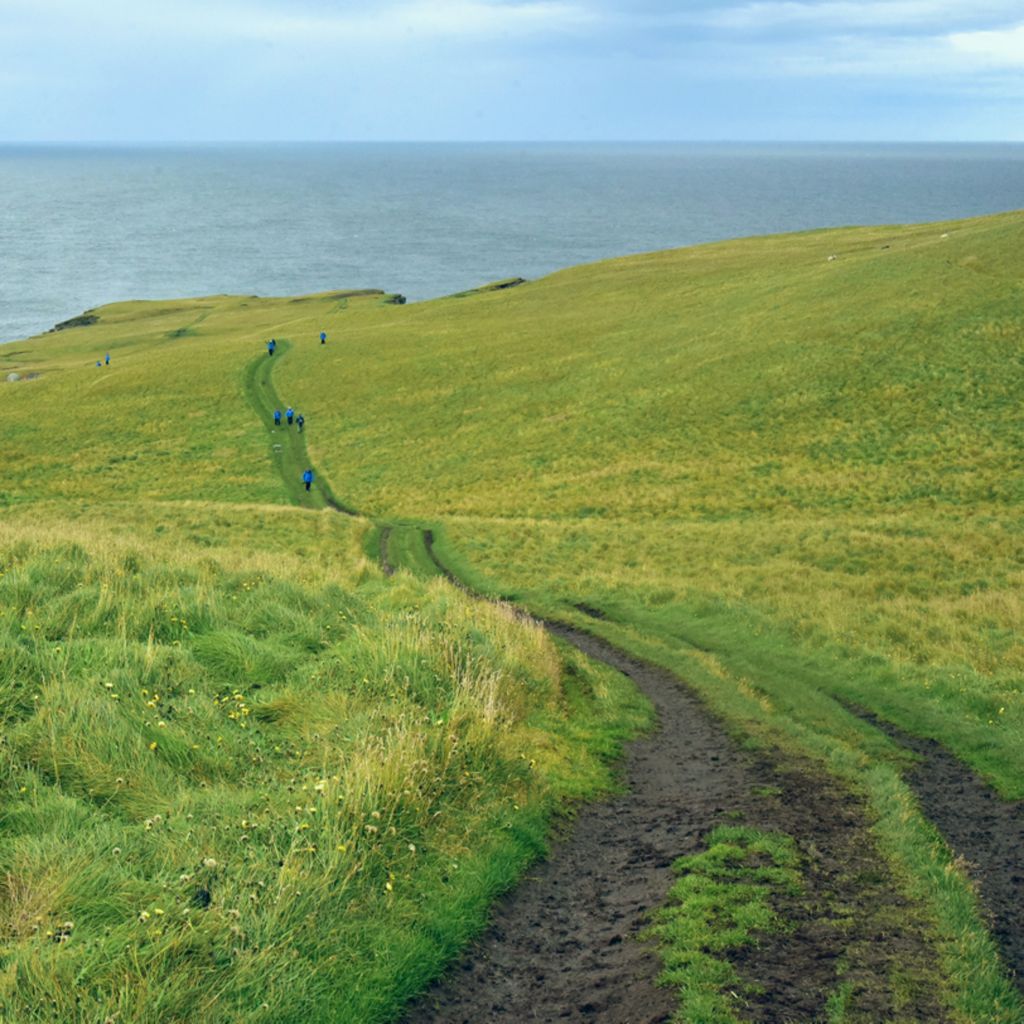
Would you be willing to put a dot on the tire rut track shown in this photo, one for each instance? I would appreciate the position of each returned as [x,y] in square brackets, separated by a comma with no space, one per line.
[563,946]
[985,831]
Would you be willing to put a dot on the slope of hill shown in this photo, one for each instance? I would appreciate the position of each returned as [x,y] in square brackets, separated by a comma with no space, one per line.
[744,438]
[243,776]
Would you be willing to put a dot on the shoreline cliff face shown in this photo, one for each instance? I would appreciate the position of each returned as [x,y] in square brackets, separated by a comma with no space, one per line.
[86,319]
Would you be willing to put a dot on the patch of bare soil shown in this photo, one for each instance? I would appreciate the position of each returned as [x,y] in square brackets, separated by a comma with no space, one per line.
[979,826]
[564,945]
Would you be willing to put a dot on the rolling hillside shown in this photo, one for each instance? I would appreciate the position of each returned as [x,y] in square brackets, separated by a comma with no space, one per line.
[747,437]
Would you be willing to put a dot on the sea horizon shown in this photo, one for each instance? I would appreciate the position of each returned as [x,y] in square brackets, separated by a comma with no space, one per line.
[89,223]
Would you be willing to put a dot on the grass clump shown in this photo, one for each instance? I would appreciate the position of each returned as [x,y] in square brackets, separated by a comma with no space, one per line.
[722,901]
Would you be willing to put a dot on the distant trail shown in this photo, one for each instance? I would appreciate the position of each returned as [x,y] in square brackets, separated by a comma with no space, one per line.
[563,945]
[288,444]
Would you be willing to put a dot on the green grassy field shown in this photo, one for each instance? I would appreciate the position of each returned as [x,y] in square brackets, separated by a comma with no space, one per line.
[221,762]
[793,479]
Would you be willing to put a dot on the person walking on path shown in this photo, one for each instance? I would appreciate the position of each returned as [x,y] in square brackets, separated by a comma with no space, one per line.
[277,417]
[290,414]
[323,337]
[107,360]
[271,345]
[307,478]
[300,420]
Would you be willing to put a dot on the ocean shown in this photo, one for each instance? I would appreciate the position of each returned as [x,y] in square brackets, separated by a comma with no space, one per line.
[82,226]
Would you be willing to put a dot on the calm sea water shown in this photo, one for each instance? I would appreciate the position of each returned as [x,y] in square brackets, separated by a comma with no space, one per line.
[83,226]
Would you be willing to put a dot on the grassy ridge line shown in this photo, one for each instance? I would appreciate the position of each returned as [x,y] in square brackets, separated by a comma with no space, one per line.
[288,445]
[846,747]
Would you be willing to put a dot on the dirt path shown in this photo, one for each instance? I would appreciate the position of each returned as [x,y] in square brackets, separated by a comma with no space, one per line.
[563,946]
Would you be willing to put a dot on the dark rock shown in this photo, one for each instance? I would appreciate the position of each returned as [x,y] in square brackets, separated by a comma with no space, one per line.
[83,320]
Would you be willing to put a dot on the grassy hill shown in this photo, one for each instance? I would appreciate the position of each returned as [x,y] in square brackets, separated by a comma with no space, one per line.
[737,441]
[788,468]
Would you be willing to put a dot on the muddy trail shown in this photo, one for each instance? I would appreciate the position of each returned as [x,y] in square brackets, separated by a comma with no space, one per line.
[566,944]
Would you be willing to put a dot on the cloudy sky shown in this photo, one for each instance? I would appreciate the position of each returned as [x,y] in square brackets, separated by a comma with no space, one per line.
[511,69]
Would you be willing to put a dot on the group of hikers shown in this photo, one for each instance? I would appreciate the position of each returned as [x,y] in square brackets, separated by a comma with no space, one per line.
[289,414]
[299,421]
[106,360]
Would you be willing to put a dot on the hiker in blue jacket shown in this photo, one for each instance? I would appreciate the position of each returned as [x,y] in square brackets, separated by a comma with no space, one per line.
[290,414]
[323,337]
[277,417]
[300,420]
[307,478]
[108,359]
[271,345]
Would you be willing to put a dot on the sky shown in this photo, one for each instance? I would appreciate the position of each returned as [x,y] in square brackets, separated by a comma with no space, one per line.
[558,70]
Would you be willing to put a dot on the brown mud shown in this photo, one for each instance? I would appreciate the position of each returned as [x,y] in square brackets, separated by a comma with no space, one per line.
[981,828]
[565,945]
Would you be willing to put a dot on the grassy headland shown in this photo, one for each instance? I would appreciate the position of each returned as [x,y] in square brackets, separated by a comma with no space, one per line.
[793,479]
